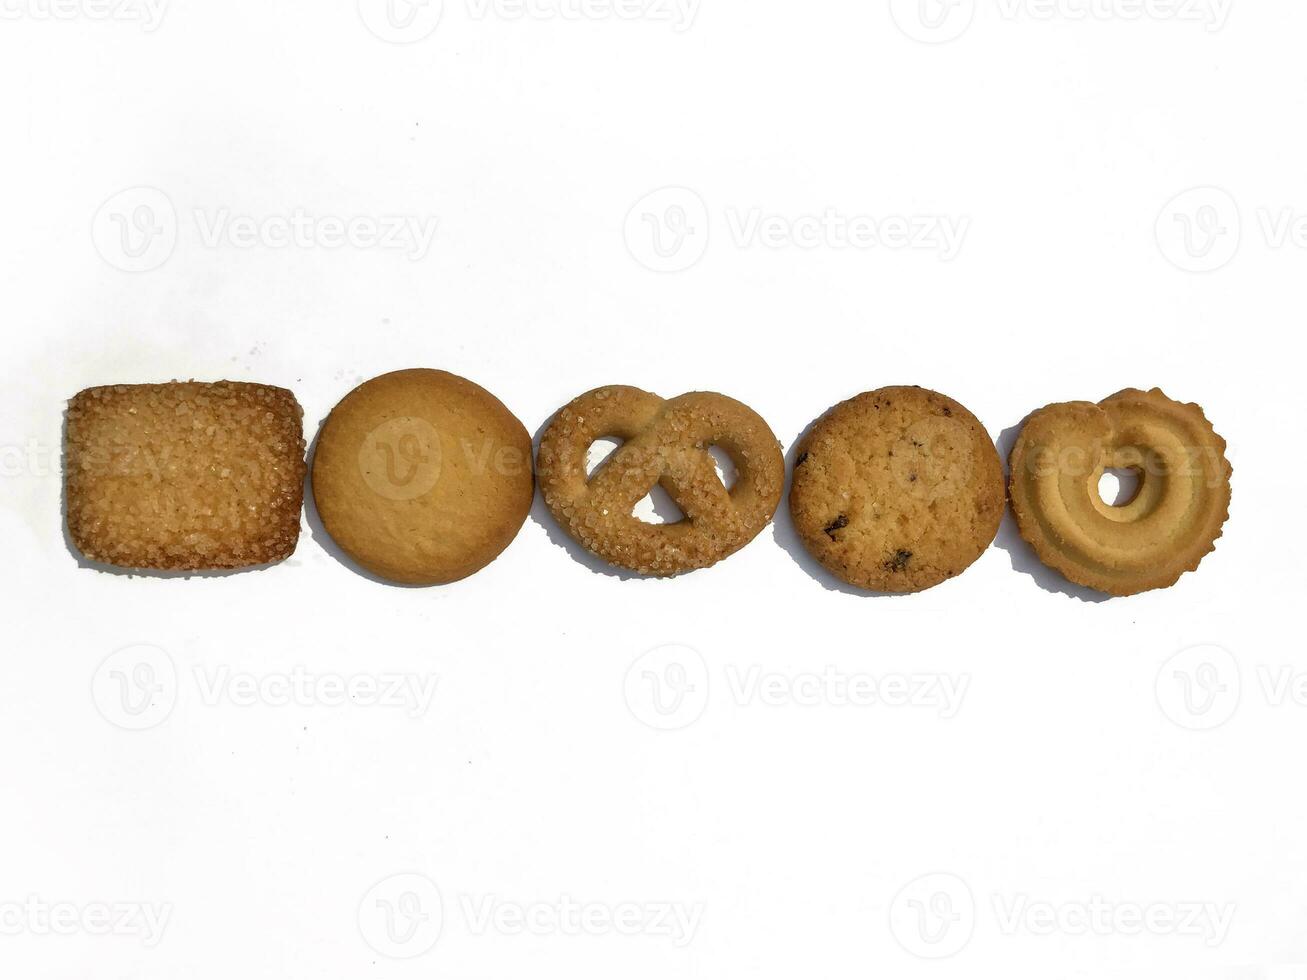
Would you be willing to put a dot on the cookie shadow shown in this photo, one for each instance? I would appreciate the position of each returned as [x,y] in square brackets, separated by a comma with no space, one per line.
[1020,554]
[541,515]
[786,535]
[99,566]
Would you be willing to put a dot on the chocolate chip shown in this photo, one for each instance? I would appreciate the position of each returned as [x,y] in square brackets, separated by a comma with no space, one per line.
[836,525]
[899,561]
[803,458]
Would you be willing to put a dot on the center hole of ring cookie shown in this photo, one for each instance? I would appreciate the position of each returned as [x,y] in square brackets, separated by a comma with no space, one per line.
[726,470]
[1118,487]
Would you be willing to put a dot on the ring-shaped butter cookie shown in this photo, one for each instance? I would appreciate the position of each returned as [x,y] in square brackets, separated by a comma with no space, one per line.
[1147,542]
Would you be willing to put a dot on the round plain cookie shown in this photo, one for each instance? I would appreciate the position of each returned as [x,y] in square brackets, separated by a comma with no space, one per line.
[1179,508]
[665,443]
[897,490]
[422,477]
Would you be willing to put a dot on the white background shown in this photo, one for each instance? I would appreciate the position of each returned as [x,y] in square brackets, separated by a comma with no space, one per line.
[783,818]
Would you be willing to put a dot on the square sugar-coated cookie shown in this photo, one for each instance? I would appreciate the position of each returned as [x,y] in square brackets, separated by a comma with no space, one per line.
[185,475]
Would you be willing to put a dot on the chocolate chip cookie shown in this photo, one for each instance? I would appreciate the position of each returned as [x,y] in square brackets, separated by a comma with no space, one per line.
[897,490]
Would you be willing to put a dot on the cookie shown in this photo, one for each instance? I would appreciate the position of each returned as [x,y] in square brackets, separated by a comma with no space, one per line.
[897,490]
[422,477]
[1175,516]
[666,443]
[184,476]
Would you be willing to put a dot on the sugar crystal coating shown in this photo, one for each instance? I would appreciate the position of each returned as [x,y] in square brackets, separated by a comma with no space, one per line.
[185,475]
[666,443]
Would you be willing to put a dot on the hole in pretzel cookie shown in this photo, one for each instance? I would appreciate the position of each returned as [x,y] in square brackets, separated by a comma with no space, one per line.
[726,470]
[599,452]
[657,507]
[1118,487]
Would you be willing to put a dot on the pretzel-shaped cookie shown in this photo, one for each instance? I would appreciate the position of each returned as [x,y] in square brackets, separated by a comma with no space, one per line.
[665,443]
